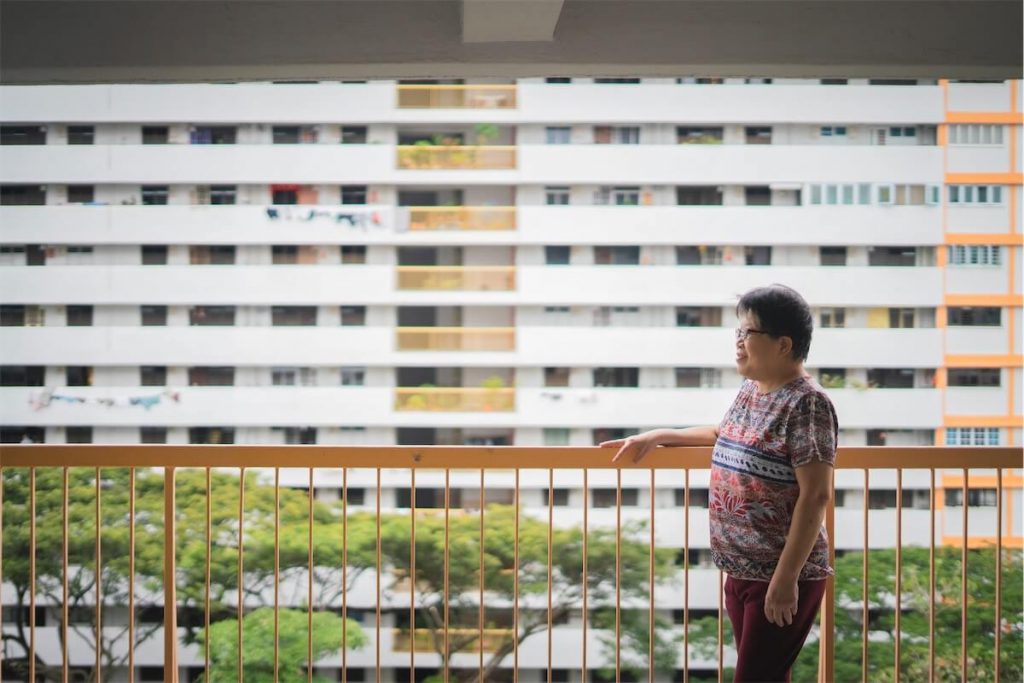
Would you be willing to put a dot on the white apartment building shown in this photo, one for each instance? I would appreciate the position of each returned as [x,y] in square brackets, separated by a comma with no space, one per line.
[543,262]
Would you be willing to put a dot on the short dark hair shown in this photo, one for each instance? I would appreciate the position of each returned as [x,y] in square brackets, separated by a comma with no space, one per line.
[781,312]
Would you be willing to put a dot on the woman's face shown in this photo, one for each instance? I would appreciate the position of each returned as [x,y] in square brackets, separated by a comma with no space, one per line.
[758,355]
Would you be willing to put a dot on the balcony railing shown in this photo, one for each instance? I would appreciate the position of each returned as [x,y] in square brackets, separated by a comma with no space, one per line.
[456,339]
[457,157]
[462,218]
[175,525]
[499,96]
[469,278]
[455,399]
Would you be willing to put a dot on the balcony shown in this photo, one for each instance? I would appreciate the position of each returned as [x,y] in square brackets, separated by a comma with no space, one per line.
[455,399]
[477,96]
[257,562]
[456,157]
[462,218]
[455,339]
[465,278]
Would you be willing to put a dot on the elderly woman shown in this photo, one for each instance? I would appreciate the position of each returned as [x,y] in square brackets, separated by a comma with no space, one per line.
[771,471]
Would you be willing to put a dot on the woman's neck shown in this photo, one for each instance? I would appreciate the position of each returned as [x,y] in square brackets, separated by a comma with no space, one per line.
[768,385]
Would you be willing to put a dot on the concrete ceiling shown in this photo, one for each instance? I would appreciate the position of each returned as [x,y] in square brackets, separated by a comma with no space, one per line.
[121,41]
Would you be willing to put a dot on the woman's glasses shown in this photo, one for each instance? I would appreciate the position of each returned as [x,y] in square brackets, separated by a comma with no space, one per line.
[743,332]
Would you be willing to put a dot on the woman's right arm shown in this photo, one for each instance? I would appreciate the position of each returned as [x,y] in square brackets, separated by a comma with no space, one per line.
[639,445]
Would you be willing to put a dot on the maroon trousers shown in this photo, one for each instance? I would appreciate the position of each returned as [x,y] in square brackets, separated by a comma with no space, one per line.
[766,652]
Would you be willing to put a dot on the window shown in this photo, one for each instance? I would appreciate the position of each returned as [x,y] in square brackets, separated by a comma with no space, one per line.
[289,377]
[617,377]
[556,255]
[758,135]
[833,317]
[556,377]
[758,196]
[975,316]
[757,256]
[832,256]
[976,195]
[700,81]
[78,435]
[353,377]
[214,255]
[155,135]
[902,317]
[558,80]
[153,316]
[284,254]
[626,196]
[698,316]
[154,255]
[78,376]
[152,434]
[848,194]
[975,255]
[353,194]
[283,316]
[22,135]
[693,378]
[698,195]
[284,195]
[975,497]
[975,377]
[212,135]
[211,376]
[81,135]
[833,131]
[22,195]
[153,375]
[834,81]
[353,254]
[757,81]
[294,436]
[698,497]
[606,498]
[832,378]
[902,131]
[560,498]
[617,256]
[975,134]
[617,135]
[556,196]
[22,375]
[223,194]
[79,316]
[972,436]
[699,255]
[154,195]
[12,316]
[892,256]
[558,135]
[891,378]
[556,436]
[211,435]
[694,135]
[353,315]
[81,194]
[630,81]
[285,135]
[353,135]
[211,315]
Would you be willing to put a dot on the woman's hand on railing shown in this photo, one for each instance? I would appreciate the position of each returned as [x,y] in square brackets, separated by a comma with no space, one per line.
[638,445]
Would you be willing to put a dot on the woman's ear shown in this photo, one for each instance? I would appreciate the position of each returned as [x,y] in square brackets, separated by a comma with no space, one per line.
[785,345]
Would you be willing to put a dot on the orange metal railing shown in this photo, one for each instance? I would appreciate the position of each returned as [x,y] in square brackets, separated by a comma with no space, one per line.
[22,466]
[457,157]
[462,218]
[469,278]
[426,96]
[456,339]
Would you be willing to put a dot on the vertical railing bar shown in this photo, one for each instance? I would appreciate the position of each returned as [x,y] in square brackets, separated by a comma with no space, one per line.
[515,589]
[999,567]
[931,580]
[899,571]
[480,607]
[170,579]
[963,585]
[650,611]
[344,575]
[2,557]
[686,576]
[864,579]
[241,552]
[618,576]
[828,611]
[412,576]
[277,573]
[65,664]
[721,632]
[586,578]
[131,575]
[378,570]
[551,561]
[32,575]
[99,576]
[206,591]
[309,586]
[447,509]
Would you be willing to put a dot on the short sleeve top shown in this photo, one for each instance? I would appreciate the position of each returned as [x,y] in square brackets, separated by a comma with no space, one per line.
[761,442]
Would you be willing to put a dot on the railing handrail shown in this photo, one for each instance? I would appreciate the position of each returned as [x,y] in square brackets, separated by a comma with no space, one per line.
[458,329]
[471,457]
[457,86]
